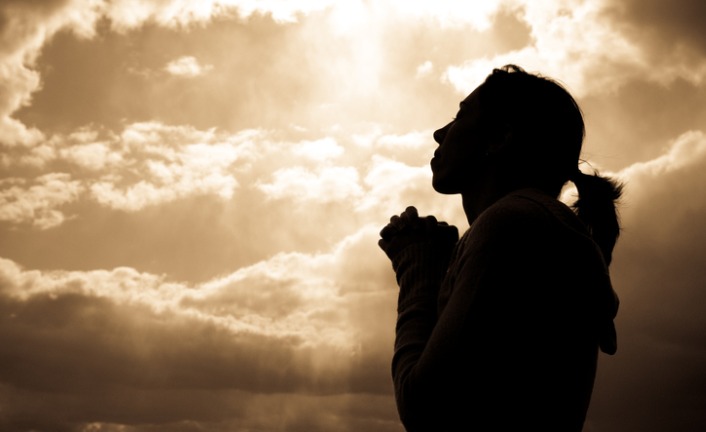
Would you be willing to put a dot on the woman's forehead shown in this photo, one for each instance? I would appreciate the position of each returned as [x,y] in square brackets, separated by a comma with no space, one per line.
[472,97]
[471,101]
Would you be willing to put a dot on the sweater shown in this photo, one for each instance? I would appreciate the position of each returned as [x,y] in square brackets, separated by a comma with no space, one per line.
[502,332]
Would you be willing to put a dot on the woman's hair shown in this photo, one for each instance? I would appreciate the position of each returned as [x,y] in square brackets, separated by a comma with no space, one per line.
[543,126]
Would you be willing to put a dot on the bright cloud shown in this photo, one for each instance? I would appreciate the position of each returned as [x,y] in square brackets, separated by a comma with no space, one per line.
[39,201]
[187,66]
[128,14]
[146,165]
[150,163]
[451,13]
[425,69]
[327,184]
[568,41]
[321,150]
[689,148]
[685,155]
[175,162]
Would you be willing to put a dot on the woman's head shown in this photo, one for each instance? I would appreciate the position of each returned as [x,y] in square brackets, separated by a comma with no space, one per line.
[538,121]
[523,130]
[527,126]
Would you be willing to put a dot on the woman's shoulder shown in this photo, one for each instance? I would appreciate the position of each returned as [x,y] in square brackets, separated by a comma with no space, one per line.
[527,208]
[527,215]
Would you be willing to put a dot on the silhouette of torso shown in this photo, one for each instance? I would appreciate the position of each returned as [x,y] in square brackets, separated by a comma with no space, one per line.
[516,325]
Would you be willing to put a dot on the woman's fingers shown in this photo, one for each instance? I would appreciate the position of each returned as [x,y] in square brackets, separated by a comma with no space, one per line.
[409,220]
[388,231]
[411,212]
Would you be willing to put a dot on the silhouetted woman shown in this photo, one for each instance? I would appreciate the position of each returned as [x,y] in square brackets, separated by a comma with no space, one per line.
[500,330]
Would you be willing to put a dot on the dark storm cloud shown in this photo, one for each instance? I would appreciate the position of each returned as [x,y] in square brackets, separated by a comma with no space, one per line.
[674,22]
[130,349]
[78,343]
[74,358]
[656,380]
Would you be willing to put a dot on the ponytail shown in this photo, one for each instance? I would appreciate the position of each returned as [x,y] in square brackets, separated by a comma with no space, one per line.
[596,207]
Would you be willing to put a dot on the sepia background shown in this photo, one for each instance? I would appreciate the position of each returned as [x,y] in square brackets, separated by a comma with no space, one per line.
[191,191]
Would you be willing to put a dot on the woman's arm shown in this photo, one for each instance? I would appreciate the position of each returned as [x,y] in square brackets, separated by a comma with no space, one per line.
[420,250]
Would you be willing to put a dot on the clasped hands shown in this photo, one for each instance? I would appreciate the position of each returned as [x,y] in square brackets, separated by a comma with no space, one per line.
[408,228]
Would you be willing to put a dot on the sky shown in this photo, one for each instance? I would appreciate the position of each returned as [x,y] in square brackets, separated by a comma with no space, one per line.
[191,193]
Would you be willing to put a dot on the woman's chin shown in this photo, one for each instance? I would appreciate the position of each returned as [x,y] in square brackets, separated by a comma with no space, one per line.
[443,186]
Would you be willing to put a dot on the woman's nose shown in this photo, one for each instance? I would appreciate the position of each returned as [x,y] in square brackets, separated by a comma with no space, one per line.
[440,134]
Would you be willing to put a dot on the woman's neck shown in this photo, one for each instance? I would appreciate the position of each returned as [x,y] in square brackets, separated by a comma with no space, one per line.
[475,202]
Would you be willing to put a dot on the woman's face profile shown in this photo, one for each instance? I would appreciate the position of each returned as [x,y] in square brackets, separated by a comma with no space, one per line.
[461,148]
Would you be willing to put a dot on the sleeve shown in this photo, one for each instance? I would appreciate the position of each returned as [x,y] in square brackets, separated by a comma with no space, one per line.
[424,342]
[420,269]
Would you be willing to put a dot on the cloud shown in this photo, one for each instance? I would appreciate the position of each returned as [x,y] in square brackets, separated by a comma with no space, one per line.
[37,203]
[669,26]
[375,174]
[327,184]
[569,41]
[390,178]
[425,69]
[151,163]
[145,165]
[293,324]
[449,13]
[319,150]
[187,67]
[174,161]
[129,14]
[670,37]
[684,152]
[408,142]
[17,80]
[657,272]
[303,298]
[28,26]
